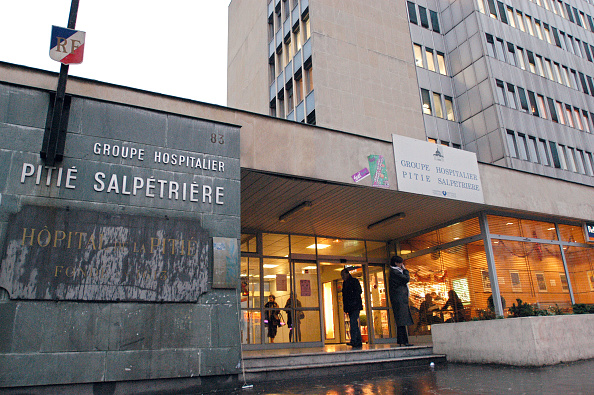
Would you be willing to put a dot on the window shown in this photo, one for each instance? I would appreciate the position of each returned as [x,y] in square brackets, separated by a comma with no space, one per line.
[587,51]
[449,107]
[556,37]
[538,29]
[501,49]
[557,69]
[574,80]
[541,106]
[412,13]
[583,83]
[587,160]
[543,152]
[547,33]
[533,150]
[500,92]
[565,75]
[510,16]
[511,97]
[554,155]
[423,17]
[418,51]
[298,90]
[430,59]
[522,147]
[578,48]
[569,13]
[511,56]
[426,101]
[568,116]
[441,63]
[539,66]
[501,8]
[531,62]
[578,118]
[562,156]
[309,80]
[529,24]
[586,121]
[552,110]
[437,105]
[491,46]
[533,106]
[521,21]
[511,144]
[523,100]
[549,70]
[571,162]
[492,10]
[521,58]
[559,107]
[434,21]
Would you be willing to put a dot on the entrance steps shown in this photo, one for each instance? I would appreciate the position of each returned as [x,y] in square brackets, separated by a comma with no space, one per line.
[264,366]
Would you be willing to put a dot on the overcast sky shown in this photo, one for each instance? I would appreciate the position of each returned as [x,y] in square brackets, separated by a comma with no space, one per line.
[175,47]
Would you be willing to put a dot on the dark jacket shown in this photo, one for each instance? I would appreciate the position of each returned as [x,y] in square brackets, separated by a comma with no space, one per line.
[351,295]
[399,296]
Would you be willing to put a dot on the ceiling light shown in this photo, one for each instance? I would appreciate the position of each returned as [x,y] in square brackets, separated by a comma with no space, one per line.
[510,223]
[270,276]
[456,238]
[387,219]
[306,205]
[269,266]
[310,268]
[320,246]
[551,229]
[405,252]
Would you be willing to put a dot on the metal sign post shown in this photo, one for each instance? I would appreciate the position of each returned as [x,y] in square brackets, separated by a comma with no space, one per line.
[54,137]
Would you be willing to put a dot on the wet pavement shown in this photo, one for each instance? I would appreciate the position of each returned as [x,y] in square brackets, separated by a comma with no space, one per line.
[448,378]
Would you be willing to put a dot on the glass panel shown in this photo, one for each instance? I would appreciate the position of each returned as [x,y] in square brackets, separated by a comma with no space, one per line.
[275,244]
[303,245]
[573,234]
[340,247]
[521,228]
[248,242]
[377,287]
[250,298]
[276,284]
[447,286]
[418,51]
[460,230]
[250,327]
[381,327]
[530,272]
[377,251]
[580,264]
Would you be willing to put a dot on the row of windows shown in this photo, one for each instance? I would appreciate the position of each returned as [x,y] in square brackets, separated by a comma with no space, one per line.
[421,18]
[534,27]
[446,143]
[429,59]
[549,153]
[565,10]
[547,108]
[527,60]
[436,104]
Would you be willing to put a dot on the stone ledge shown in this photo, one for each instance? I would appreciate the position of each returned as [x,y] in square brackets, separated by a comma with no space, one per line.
[527,341]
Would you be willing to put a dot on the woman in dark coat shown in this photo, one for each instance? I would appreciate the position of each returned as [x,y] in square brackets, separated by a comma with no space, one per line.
[399,278]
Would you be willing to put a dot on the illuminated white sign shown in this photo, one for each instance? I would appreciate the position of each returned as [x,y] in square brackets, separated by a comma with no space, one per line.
[436,170]
[589,229]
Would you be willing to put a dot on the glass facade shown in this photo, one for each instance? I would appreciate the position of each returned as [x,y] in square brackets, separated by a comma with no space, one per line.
[453,279]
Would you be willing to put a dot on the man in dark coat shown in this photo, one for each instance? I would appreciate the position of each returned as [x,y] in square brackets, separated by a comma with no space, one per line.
[352,305]
[399,278]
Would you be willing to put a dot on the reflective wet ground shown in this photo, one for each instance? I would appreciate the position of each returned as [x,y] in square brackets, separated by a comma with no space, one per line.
[566,379]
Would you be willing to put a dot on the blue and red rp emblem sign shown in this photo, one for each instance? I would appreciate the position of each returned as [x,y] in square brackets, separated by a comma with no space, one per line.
[67,45]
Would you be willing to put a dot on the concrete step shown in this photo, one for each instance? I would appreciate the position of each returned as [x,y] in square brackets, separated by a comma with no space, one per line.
[291,366]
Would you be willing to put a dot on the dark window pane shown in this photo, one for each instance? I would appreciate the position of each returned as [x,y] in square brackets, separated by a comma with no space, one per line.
[583,82]
[569,13]
[492,9]
[523,100]
[587,50]
[533,106]
[555,155]
[423,16]
[502,12]
[434,21]
[556,36]
[412,13]
[552,110]
[577,17]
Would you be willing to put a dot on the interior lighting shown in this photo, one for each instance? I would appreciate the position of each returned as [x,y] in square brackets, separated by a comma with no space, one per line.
[269,266]
[320,246]
[387,219]
[304,206]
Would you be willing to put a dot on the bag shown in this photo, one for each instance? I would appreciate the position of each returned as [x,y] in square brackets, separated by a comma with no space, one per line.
[301,315]
[280,320]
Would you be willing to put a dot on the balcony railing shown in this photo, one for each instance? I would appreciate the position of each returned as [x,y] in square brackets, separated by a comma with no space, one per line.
[271,52]
[280,83]
[272,91]
[279,40]
[289,74]
[297,63]
[287,29]
[270,10]
[291,116]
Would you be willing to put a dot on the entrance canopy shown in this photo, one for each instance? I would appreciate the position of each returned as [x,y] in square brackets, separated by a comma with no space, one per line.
[337,210]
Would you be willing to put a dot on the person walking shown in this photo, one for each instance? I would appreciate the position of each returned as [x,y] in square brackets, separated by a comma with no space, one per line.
[352,305]
[399,278]
[272,317]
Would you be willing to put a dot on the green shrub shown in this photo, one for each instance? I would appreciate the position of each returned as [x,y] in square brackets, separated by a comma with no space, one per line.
[582,308]
[525,310]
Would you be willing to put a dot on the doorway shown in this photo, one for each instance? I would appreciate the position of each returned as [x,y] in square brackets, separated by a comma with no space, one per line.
[336,322]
